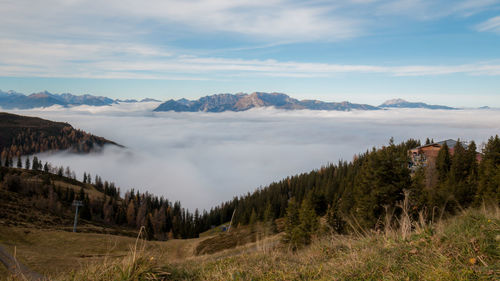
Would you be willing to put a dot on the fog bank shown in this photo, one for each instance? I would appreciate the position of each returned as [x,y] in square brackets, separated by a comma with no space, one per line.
[203,159]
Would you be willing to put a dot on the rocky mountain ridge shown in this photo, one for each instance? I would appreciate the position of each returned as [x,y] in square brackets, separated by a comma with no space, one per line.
[242,102]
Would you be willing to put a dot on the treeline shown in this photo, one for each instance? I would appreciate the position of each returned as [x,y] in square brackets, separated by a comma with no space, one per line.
[30,141]
[363,191]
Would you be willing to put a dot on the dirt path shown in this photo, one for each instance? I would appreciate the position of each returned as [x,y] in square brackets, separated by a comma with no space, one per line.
[17,268]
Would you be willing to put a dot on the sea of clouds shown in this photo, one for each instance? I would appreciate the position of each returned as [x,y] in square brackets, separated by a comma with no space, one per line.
[203,159]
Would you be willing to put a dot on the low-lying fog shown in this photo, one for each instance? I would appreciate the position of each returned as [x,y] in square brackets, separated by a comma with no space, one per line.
[203,159]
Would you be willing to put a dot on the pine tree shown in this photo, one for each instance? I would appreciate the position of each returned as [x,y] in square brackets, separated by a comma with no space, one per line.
[19,163]
[253,218]
[35,163]
[308,221]
[150,233]
[292,222]
[86,213]
[443,163]
[334,219]
[131,213]
[461,165]
[27,164]
[489,173]
[380,182]
[269,222]
[419,195]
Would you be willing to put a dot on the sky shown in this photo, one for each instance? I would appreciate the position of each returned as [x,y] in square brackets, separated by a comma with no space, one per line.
[203,159]
[366,51]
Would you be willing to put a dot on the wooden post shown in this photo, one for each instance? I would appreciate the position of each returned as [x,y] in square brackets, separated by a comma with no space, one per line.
[231,222]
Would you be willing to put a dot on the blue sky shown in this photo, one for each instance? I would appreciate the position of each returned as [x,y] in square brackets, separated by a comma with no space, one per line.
[358,50]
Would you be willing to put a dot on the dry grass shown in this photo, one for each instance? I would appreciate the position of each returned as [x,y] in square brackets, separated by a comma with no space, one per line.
[464,247]
[54,253]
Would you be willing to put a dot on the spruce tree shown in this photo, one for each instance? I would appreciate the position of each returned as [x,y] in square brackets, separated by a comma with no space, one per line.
[292,221]
[253,218]
[460,169]
[269,222]
[308,221]
[86,213]
[443,163]
[35,163]
[19,163]
[334,219]
[489,173]
[27,164]
[150,232]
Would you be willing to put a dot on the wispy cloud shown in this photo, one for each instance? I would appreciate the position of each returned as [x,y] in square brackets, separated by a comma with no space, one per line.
[491,25]
[271,21]
[431,10]
[52,59]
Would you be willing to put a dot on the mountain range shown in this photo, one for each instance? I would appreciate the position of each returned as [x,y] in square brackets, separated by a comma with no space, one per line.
[242,102]
[211,103]
[12,100]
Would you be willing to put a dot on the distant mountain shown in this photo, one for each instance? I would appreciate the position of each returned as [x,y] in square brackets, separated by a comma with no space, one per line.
[127,100]
[134,100]
[11,100]
[150,100]
[400,103]
[242,102]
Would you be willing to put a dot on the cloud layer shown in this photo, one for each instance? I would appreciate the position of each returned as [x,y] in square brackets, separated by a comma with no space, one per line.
[119,39]
[203,159]
[128,61]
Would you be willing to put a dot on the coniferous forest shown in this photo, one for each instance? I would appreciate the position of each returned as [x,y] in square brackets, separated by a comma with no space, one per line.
[22,135]
[348,194]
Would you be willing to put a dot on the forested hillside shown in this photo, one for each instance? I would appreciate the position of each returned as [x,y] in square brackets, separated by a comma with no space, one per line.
[21,135]
[36,196]
[362,192]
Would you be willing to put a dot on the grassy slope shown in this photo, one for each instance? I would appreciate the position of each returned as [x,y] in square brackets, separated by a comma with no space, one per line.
[465,247]
[55,253]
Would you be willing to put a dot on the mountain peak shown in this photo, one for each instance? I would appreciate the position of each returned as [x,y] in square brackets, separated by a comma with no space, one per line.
[401,103]
[395,101]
